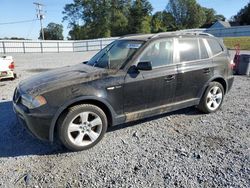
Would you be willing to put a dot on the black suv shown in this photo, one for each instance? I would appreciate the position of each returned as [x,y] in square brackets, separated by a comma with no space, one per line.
[134,77]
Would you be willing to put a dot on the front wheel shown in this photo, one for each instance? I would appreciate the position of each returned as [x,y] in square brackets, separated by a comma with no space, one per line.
[212,99]
[83,127]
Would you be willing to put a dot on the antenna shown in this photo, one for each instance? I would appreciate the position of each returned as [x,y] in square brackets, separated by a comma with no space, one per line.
[40,15]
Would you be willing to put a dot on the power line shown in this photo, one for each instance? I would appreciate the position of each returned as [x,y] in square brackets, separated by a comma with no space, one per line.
[18,22]
[31,29]
[40,15]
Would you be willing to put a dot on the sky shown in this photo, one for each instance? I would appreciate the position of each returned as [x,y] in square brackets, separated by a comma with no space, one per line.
[22,10]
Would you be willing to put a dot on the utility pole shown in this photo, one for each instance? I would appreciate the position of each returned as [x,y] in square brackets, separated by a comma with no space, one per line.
[40,15]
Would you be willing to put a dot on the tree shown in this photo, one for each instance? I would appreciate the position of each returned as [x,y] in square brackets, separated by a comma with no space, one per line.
[162,21]
[92,14]
[220,17]
[119,17]
[187,13]
[157,24]
[102,18]
[52,32]
[139,18]
[243,16]
[105,18]
[211,17]
[78,33]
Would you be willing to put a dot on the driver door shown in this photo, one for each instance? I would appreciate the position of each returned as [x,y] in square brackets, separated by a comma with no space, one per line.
[152,88]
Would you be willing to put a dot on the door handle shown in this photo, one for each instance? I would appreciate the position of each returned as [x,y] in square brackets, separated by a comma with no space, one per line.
[169,78]
[206,71]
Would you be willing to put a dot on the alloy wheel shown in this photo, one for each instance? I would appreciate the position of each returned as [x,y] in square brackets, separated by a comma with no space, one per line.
[85,128]
[214,98]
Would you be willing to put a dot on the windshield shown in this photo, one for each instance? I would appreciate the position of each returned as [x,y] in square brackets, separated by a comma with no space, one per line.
[115,54]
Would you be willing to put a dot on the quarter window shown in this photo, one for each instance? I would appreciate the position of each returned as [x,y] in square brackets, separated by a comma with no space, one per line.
[159,53]
[189,49]
[204,54]
[215,46]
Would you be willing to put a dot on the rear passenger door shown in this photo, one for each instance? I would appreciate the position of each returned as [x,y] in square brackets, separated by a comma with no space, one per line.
[194,68]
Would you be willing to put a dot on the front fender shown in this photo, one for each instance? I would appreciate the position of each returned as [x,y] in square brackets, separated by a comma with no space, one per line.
[75,100]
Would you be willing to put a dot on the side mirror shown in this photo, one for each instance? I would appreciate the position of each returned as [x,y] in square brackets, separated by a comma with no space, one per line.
[146,65]
[85,62]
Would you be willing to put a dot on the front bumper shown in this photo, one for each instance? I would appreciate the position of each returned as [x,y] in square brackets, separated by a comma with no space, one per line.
[7,74]
[36,122]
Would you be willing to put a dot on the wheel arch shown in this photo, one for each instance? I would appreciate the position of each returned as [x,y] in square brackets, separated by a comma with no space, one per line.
[101,103]
[220,80]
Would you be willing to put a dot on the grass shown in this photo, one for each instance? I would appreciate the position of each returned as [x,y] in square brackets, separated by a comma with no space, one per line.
[244,42]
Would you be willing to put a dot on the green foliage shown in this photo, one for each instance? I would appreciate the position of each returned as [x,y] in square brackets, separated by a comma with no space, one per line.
[100,18]
[243,16]
[139,17]
[157,23]
[162,21]
[187,13]
[211,17]
[52,32]
[78,33]
[119,17]
[104,18]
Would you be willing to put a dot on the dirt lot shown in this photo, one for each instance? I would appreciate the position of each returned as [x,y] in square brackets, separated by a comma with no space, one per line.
[179,149]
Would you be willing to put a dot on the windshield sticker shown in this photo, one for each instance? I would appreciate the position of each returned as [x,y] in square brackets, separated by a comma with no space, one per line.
[134,46]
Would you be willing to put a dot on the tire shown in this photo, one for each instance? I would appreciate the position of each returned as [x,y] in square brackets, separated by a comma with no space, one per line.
[14,77]
[82,127]
[212,99]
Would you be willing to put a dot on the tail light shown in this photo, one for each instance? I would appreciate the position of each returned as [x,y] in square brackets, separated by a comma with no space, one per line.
[232,65]
[12,66]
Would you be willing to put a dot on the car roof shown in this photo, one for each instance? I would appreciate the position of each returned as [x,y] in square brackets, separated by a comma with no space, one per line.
[146,37]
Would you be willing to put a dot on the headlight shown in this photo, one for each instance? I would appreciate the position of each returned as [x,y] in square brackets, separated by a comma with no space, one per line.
[31,102]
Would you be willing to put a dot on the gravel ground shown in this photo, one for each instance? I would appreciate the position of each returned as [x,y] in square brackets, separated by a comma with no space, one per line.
[179,149]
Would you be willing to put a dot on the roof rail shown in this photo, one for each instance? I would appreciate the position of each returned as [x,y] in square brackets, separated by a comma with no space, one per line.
[130,35]
[199,33]
[183,32]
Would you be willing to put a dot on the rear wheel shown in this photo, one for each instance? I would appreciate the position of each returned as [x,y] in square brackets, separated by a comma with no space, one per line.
[212,99]
[83,127]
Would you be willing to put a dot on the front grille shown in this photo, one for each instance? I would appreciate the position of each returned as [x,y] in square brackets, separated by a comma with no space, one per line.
[16,96]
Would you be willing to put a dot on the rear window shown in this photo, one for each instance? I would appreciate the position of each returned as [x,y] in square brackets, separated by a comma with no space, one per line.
[215,46]
[189,49]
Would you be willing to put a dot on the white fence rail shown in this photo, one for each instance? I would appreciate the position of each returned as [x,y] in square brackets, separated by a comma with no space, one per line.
[26,46]
[238,31]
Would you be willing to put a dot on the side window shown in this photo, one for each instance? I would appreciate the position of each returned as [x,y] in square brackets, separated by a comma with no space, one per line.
[204,54]
[189,49]
[160,53]
[215,46]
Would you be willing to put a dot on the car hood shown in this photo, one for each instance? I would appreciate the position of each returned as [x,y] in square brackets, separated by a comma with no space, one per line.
[61,77]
